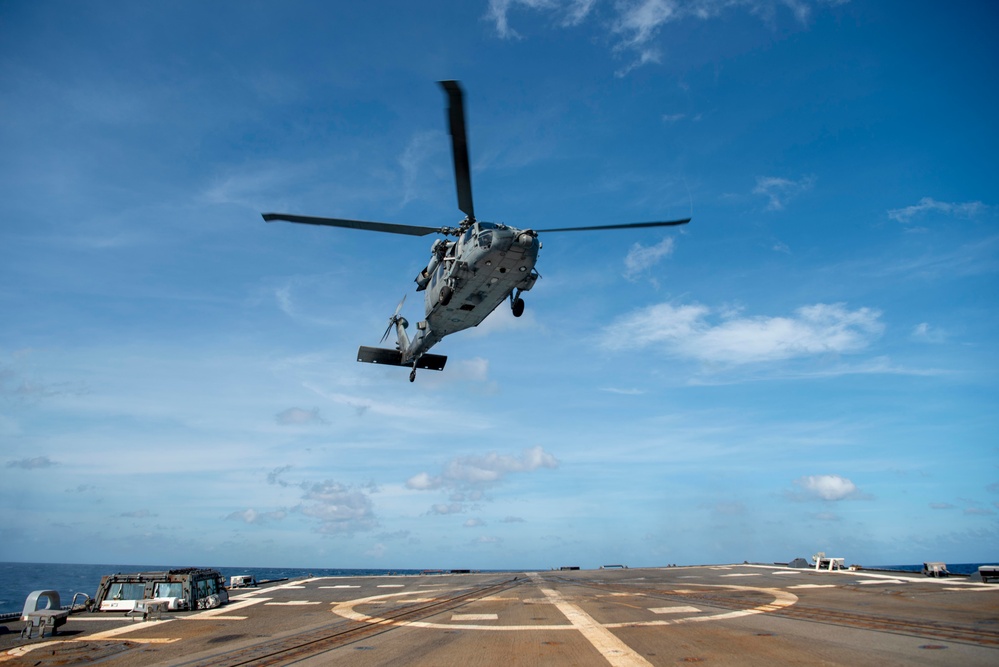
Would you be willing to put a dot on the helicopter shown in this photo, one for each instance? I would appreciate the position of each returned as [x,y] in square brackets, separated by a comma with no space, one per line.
[486,264]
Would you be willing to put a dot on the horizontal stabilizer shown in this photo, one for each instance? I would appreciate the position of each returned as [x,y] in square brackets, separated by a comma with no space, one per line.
[380,355]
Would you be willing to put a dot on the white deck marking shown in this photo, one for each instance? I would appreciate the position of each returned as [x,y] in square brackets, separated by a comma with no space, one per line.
[741,574]
[880,581]
[290,603]
[128,628]
[224,610]
[340,586]
[474,617]
[615,651]
[347,609]
[814,586]
[391,586]
[675,610]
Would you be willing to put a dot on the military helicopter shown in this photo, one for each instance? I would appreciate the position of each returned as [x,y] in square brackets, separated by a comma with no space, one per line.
[465,279]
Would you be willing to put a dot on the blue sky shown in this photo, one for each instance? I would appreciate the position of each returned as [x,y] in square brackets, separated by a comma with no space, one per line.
[808,366]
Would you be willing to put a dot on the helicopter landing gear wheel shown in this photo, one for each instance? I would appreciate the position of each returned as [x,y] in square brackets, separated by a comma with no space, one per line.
[444,298]
[518,307]
[412,375]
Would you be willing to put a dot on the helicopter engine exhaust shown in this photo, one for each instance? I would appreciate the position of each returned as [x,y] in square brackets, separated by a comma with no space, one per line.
[526,238]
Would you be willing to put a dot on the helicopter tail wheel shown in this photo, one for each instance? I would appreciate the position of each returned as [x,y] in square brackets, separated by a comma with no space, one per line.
[444,298]
[412,375]
[518,307]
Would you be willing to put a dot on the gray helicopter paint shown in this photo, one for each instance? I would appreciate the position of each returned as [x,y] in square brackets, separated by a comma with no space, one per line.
[483,275]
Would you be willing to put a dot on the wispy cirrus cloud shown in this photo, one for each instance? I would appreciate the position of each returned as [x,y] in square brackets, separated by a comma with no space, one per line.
[779,191]
[567,12]
[928,205]
[642,258]
[634,26]
[698,332]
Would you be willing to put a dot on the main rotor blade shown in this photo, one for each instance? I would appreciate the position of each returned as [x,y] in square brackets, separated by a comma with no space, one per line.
[628,225]
[459,147]
[388,227]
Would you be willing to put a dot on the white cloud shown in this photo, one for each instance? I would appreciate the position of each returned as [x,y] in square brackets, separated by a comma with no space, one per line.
[447,508]
[474,523]
[474,473]
[925,333]
[826,487]
[423,482]
[338,508]
[926,205]
[423,149]
[781,190]
[570,12]
[636,24]
[686,331]
[641,258]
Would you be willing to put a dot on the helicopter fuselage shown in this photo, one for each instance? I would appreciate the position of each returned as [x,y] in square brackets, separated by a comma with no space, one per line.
[468,278]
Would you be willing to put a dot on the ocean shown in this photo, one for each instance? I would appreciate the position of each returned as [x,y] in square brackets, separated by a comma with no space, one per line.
[17,580]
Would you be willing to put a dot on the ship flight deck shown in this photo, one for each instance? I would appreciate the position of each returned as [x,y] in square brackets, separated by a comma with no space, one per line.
[718,615]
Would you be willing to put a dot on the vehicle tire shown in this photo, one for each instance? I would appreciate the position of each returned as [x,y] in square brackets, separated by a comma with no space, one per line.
[444,297]
[518,307]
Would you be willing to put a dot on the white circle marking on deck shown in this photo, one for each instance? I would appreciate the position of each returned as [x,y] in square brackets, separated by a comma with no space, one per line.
[780,599]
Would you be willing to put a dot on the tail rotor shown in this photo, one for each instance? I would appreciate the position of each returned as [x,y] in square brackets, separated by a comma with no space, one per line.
[395,319]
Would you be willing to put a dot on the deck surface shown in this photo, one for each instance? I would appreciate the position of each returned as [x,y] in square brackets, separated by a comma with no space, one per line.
[720,615]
